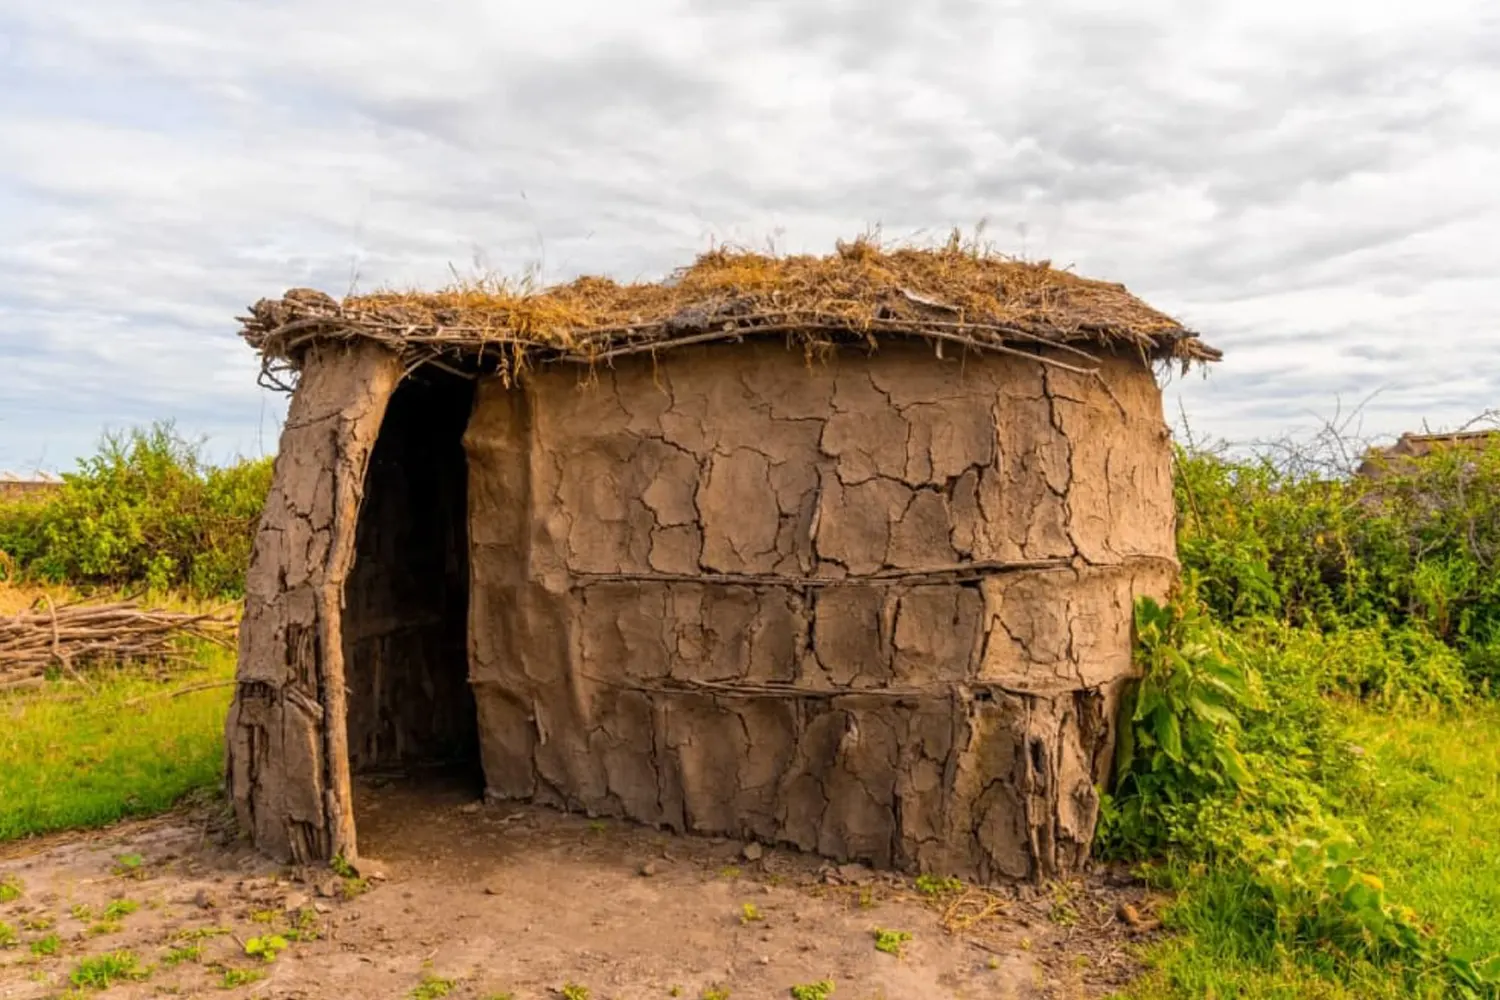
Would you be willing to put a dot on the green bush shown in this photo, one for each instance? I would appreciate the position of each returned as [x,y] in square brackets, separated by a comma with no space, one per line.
[1417,549]
[1304,596]
[145,511]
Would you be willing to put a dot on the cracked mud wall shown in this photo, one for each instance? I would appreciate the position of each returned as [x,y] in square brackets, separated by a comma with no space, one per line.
[286,758]
[877,608]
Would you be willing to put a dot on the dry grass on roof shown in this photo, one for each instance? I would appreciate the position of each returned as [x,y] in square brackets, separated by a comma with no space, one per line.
[954,293]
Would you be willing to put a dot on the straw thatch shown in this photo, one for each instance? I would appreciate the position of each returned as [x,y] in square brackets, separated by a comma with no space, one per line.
[954,294]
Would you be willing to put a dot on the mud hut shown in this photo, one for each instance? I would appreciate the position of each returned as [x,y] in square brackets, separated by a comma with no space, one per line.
[1402,458]
[835,552]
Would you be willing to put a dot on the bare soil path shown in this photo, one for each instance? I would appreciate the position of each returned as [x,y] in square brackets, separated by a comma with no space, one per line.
[479,901]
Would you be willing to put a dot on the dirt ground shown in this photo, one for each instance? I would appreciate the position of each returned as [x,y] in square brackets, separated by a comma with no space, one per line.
[495,901]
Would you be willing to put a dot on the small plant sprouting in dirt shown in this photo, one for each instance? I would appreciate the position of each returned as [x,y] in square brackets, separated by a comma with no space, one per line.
[200,933]
[304,927]
[1063,912]
[675,991]
[46,947]
[130,866]
[186,953]
[82,911]
[103,927]
[598,826]
[266,947]
[352,885]
[731,872]
[890,942]
[820,990]
[233,978]
[572,991]
[993,963]
[40,923]
[431,988]
[118,909]
[933,886]
[263,917]
[102,971]
[866,898]
[10,889]
[716,993]
[750,913]
[8,937]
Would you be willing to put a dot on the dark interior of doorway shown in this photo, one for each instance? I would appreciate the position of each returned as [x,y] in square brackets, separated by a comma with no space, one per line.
[411,712]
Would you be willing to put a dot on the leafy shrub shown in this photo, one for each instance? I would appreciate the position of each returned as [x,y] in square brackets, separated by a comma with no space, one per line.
[146,510]
[1230,753]
[1415,550]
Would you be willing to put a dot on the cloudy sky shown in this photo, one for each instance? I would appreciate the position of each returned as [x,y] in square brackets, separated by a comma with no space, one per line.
[1314,186]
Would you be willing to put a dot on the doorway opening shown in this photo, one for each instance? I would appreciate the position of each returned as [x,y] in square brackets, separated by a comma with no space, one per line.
[405,637]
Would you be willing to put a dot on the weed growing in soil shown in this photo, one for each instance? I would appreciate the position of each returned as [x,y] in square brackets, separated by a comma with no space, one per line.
[890,942]
[129,866]
[234,978]
[266,947]
[120,908]
[304,927]
[431,988]
[8,937]
[46,947]
[933,885]
[820,990]
[102,971]
[10,889]
[750,913]
[715,993]
[572,991]
[187,953]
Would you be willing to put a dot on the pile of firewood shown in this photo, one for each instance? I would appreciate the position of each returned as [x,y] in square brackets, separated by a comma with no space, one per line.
[69,636]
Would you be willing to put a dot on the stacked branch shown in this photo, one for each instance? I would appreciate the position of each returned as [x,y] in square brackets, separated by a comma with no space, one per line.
[67,637]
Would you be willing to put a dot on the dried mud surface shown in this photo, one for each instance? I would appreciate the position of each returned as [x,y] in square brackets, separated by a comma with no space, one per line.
[524,900]
[876,608]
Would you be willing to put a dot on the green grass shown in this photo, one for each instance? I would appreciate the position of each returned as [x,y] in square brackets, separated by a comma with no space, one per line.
[1431,820]
[70,759]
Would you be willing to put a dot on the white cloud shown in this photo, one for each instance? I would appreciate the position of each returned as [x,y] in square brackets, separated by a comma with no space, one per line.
[1309,185]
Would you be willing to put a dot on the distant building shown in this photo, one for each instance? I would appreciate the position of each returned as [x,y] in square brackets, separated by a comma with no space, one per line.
[1399,457]
[14,485]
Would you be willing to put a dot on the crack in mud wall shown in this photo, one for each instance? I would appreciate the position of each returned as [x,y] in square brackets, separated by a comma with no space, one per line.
[286,753]
[877,608]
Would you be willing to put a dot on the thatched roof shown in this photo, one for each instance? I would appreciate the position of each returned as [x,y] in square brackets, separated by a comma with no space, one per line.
[954,295]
